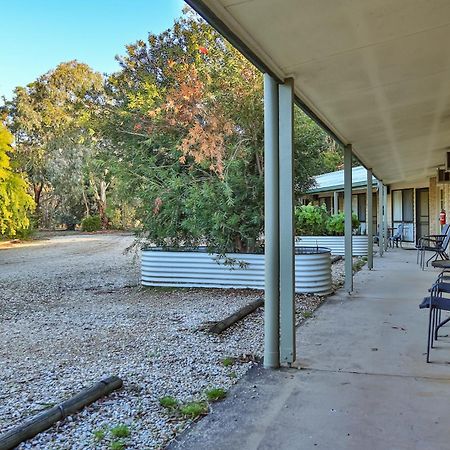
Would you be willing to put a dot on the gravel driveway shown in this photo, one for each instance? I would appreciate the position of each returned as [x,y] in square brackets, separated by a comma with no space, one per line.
[72,312]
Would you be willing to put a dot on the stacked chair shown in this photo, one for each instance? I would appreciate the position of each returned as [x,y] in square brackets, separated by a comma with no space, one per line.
[435,243]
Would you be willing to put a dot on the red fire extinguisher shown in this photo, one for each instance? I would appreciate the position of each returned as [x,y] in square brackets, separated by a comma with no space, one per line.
[443,217]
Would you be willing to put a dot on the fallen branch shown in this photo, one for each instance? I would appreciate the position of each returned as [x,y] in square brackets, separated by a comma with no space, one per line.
[46,419]
[222,325]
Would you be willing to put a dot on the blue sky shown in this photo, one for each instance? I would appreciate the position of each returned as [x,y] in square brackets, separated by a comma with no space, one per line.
[36,35]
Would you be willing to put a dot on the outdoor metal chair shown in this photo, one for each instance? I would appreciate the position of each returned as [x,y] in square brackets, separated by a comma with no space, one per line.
[397,237]
[436,303]
[376,236]
[436,243]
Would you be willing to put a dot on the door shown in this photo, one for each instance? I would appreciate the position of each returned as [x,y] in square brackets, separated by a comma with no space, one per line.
[422,213]
[403,212]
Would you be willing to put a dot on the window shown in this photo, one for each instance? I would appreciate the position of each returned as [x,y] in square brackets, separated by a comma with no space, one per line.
[359,208]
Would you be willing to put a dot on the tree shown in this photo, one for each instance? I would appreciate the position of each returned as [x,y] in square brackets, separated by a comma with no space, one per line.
[188,123]
[50,119]
[15,203]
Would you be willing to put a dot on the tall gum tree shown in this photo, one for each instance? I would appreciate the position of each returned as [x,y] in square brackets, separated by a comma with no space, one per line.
[50,119]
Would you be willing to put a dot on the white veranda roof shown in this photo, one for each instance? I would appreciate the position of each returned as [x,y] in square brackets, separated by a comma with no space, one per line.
[375,72]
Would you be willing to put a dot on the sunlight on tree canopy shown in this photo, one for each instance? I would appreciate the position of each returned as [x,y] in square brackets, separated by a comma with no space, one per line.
[15,202]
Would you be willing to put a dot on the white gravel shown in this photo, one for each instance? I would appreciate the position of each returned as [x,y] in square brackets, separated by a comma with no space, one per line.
[72,312]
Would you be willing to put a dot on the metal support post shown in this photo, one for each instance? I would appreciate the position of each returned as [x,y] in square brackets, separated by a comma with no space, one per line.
[271,225]
[380,219]
[348,218]
[335,202]
[287,229]
[385,218]
[369,220]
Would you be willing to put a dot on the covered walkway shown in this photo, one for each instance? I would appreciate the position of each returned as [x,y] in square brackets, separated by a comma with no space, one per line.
[363,383]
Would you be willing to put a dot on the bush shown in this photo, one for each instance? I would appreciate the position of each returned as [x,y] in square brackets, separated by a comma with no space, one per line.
[69,220]
[91,223]
[335,225]
[311,220]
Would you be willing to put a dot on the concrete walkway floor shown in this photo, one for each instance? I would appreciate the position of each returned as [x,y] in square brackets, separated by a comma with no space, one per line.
[361,382]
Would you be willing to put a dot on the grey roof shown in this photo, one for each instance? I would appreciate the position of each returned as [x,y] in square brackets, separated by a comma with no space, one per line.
[334,181]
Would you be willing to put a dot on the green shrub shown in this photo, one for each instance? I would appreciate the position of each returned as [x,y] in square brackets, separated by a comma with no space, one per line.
[311,220]
[336,224]
[91,223]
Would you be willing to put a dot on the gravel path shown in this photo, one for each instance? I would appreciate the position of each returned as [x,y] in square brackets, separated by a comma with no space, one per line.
[72,312]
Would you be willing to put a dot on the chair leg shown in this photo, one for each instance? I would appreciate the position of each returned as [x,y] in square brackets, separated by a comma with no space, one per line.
[435,256]
[429,335]
[435,326]
[438,322]
[441,323]
[432,328]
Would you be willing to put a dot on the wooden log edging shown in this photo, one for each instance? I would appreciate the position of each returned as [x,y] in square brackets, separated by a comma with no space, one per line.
[40,422]
[222,325]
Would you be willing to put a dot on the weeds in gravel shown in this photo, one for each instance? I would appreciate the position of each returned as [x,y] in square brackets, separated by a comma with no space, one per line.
[121,431]
[216,394]
[359,264]
[232,375]
[194,410]
[47,405]
[307,314]
[99,435]
[168,402]
[117,445]
[227,362]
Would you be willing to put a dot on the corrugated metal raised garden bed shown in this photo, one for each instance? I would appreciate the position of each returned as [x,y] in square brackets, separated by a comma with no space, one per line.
[198,268]
[335,243]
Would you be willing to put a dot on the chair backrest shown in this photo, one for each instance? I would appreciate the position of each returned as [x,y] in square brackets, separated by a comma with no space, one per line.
[446,240]
[399,231]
